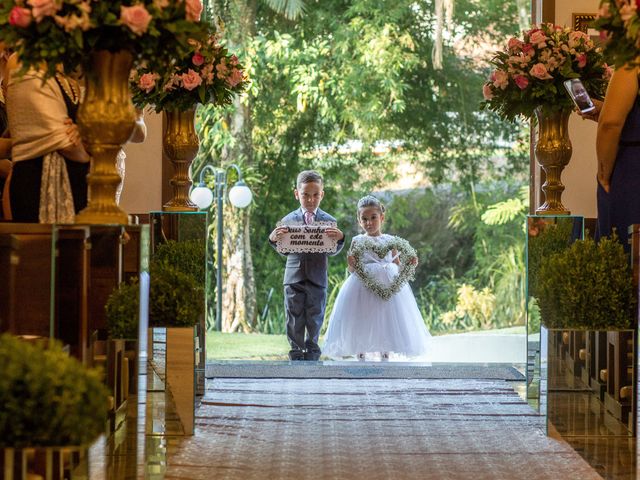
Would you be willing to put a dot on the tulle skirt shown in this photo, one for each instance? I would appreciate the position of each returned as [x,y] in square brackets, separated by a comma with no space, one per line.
[362,322]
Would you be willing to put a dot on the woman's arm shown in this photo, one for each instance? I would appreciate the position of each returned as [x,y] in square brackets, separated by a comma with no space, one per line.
[5,148]
[5,168]
[618,102]
[76,150]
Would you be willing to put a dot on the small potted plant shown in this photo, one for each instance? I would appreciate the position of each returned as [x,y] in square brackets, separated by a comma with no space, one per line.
[588,286]
[121,352]
[587,303]
[189,257]
[176,302]
[52,409]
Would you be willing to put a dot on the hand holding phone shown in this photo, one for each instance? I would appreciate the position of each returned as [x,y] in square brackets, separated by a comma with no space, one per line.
[579,95]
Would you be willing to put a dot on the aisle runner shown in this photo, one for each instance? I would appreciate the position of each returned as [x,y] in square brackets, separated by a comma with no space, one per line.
[369,429]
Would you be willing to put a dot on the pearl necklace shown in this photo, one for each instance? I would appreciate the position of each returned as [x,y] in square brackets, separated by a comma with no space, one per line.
[69,87]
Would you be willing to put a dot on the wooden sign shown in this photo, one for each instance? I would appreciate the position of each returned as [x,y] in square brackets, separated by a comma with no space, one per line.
[303,238]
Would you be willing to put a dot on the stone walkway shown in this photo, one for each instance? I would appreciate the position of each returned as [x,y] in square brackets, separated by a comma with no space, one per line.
[369,429]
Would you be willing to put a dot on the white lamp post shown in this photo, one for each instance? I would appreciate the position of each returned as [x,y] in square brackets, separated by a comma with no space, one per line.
[240,196]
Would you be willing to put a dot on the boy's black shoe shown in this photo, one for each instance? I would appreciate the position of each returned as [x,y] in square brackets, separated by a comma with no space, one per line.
[296,355]
[312,356]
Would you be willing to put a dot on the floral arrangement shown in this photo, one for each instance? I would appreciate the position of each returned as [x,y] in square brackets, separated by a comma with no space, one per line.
[619,26]
[206,74]
[529,73]
[407,269]
[54,31]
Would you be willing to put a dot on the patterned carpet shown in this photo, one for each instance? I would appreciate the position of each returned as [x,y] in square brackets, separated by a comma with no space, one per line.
[369,429]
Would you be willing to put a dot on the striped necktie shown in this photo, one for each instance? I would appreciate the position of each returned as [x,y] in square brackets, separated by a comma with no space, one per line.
[308,217]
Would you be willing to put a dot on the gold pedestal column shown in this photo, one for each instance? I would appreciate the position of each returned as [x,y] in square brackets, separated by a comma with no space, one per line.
[553,152]
[106,119]
[180,143]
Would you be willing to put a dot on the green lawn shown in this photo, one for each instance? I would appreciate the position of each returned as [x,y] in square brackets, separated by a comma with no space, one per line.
[257,346]
[246,346]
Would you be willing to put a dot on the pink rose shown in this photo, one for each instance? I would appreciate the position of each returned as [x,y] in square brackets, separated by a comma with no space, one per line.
[540,71]
[582,60]
[487,93]
[197,59]
[538,38]
[235,78]
[136,18]
[576,38]
[514,44]
[193,9]
[20,17]
[527,48]
[521,81]
[148,81]
[191,80]
[43,8]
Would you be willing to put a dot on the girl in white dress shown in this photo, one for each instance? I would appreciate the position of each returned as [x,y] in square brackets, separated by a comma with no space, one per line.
[362,322]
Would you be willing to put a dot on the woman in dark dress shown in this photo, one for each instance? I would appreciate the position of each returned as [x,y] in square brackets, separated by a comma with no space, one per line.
[618,149]
[50,165]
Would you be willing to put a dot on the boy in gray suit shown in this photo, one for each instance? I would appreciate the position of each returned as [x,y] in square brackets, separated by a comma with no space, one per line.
[305,274]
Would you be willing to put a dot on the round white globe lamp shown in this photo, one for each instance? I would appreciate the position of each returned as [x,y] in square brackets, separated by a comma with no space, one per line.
[202,196]
[240,195]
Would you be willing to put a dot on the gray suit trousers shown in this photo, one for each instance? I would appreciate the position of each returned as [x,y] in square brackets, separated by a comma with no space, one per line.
[304,304]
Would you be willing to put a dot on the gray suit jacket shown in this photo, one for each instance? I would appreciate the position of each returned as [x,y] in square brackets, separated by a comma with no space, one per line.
[308,266]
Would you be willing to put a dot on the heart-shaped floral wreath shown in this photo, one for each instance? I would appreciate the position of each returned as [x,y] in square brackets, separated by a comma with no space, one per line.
[407,269]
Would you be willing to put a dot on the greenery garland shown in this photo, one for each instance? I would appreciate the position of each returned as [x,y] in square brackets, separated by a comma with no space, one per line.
[407,269]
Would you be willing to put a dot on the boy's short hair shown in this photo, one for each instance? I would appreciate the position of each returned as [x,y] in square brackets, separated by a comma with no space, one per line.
[308,176]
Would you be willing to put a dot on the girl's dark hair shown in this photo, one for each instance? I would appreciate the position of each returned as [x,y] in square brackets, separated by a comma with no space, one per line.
[369,201]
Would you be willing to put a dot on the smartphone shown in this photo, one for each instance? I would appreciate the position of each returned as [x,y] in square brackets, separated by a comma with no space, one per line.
[579,95]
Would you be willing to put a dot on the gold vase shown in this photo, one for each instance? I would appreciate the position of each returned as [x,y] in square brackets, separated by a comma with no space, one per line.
[553,152]
[106,119]
[180,143]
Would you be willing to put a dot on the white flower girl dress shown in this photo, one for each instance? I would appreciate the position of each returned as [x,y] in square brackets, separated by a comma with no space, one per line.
[362,322]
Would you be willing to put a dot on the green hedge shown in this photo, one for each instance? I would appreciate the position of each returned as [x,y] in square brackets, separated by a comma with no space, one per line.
[122,310]
[587,286]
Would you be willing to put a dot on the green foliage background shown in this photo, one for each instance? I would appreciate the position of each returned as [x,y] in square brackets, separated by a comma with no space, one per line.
[341,77]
